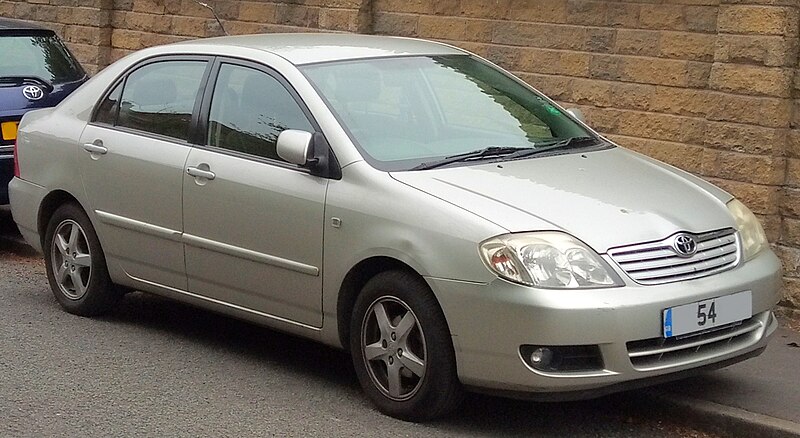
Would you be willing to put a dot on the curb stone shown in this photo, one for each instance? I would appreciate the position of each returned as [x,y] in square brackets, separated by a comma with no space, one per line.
[729,420]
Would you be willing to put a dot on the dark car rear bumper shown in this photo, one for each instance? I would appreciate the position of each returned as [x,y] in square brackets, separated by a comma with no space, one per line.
[6,173]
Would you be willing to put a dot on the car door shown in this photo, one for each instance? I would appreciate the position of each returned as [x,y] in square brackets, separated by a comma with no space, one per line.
[253,222]
[132,164]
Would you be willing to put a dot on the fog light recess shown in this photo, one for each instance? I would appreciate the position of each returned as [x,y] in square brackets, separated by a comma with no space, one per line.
[562,358]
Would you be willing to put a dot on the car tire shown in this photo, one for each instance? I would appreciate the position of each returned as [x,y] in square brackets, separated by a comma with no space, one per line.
[396,311]
[76,265]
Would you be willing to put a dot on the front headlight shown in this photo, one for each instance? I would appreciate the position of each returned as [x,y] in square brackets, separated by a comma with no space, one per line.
[548,260]
[750,231]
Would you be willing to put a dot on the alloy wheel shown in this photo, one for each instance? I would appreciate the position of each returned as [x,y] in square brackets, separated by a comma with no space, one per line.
[393,347]
[71,259]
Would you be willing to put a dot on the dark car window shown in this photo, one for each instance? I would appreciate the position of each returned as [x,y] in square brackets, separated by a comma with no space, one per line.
[249,109]
[160,97]
[43,56]
[107,112]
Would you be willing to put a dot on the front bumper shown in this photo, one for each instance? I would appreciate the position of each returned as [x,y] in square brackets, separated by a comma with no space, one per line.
[489,323]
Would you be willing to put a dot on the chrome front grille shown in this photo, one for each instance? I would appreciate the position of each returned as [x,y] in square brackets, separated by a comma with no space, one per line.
[657,353]
[658,262]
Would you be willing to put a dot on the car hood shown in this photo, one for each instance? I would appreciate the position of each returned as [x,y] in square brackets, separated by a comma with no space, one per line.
[605,198]
[13,104]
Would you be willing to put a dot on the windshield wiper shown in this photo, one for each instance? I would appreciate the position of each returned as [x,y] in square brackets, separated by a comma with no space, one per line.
[567,143]
[491,151]
[22,80]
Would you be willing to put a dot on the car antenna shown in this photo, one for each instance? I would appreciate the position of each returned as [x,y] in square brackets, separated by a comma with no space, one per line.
[216,17]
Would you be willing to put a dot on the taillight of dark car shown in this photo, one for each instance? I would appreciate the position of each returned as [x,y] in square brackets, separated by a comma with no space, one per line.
[16,160]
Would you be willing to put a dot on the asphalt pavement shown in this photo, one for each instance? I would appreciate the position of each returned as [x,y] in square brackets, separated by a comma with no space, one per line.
[154,367]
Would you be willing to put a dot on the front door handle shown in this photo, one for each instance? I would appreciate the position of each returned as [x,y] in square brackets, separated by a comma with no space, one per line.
[95,148]
[200,173]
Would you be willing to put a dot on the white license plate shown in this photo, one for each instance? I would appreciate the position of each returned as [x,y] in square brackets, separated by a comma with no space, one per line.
[707,314]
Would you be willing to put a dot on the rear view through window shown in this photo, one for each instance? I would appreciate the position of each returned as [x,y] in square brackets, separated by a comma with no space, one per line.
[42,56]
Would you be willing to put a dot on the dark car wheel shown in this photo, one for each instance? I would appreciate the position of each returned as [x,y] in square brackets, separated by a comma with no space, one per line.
[76,267]
[401,348]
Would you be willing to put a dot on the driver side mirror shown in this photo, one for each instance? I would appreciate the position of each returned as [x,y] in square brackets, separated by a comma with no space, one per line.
[578,114]
[310,151]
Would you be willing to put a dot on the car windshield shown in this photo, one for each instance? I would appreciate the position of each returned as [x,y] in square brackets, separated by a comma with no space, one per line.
[408,112]
[42,56]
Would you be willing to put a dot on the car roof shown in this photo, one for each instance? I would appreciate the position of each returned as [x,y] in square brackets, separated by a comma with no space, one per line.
[307,48]
[8,24]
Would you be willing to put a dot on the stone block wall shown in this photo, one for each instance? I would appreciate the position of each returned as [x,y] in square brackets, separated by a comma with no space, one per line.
[710,86]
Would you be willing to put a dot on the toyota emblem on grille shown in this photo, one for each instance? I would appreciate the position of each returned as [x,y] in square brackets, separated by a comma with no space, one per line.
[684,245]
[33,92]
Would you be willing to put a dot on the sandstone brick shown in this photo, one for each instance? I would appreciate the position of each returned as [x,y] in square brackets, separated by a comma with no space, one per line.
[753,19]
[142,22]
[485,8]
[791,202]
[751,79]
[87,35]
[772,226]
[637,42]
[190,26]
[549,36]
[338,19]
[47,13]
[395,24]
[773,51]
[659,16]
[762,111]
[660,126]
[126,39]
[701,18]
[632,96]
[244,27]
[6,9]
[682,101]
[761,199]
[590,13]
[664,71]
[607,67]
[84,16]
[791,293]
[793,143]
[148,6]
[757,169]
[447,28]
[789,253]
[684,45]
[297,15]
[479,30]
[546,11]
[684,156]
[404,6]
[447,7]
[623,15]
[257,12]
[556,87]
[748,139]
[790,234]
[591,92]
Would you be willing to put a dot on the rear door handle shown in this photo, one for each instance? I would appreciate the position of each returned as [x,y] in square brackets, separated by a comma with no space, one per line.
[200,173]
[95,148]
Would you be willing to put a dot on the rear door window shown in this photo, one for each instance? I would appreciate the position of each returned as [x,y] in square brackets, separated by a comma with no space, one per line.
[159,98]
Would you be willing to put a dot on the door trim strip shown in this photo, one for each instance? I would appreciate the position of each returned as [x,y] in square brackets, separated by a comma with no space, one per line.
[142,227]
[251,255]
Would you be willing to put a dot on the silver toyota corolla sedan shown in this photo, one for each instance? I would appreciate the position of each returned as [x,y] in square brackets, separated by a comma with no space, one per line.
[406,200]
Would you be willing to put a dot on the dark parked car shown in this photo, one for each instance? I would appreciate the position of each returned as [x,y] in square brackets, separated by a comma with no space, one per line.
[37,71]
